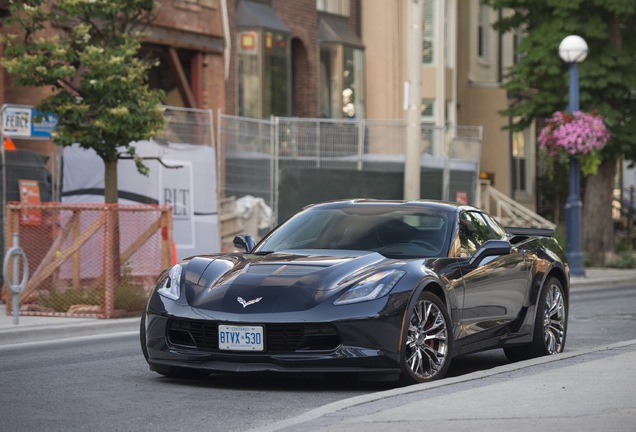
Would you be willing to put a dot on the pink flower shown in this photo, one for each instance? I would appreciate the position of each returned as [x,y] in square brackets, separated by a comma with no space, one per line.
[577,133]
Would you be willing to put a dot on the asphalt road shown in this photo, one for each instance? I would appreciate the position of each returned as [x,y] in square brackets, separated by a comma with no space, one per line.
[103,384]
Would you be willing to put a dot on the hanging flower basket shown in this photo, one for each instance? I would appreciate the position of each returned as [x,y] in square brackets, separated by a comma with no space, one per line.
[578,134]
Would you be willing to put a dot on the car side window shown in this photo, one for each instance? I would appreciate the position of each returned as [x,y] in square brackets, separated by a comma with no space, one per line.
[500,232]
[473,232]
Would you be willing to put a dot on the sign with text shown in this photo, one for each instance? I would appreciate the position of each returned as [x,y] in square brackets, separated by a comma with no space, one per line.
[175,189]
[30,194]
[23,121]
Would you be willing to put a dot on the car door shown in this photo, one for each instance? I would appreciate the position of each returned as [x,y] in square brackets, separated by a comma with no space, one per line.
[495,287]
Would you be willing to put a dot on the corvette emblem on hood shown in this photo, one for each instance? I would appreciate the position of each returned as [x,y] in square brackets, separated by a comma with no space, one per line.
[247,303]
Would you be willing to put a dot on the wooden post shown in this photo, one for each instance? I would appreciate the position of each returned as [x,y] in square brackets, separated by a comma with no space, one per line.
[166,238]
[76,255]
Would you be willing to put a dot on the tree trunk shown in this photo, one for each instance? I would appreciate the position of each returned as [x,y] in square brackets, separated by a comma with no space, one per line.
[597,227]
[112,263]
[110,182]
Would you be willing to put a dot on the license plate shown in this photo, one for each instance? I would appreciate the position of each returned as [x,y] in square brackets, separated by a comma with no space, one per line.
[241,338]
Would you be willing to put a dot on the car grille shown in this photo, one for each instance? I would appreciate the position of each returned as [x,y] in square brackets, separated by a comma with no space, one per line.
[279,338]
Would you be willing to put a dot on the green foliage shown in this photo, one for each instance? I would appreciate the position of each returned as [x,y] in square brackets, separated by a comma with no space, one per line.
[607,78]
[87,52]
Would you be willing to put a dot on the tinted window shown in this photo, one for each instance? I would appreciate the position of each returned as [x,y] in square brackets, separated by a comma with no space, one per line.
[500,232]
[474,231]
[405,232]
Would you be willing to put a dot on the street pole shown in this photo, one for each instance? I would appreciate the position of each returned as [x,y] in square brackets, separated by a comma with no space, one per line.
[413,89]
[573,50]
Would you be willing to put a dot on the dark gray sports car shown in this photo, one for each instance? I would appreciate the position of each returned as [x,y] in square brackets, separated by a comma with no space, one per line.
[386,289]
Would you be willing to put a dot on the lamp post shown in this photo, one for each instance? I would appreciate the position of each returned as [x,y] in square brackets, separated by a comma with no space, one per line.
[573,51]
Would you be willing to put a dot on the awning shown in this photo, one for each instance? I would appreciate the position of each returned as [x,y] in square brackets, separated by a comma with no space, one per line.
[333,29]
[257,15]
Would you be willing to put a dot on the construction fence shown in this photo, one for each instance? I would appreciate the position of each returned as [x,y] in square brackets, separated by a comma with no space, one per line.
[76,265]
[291,162]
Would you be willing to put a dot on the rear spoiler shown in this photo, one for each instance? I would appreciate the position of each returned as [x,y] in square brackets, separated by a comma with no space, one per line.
[530,232]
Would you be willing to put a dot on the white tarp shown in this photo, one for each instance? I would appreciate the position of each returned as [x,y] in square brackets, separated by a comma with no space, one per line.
[190,189]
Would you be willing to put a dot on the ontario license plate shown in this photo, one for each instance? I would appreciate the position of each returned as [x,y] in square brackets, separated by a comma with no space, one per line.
[241,338]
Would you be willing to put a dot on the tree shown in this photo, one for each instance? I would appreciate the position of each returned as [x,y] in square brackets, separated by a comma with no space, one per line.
[87,52]
[607,85]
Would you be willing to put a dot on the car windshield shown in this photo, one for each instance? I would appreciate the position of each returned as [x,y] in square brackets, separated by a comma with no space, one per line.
[393,231]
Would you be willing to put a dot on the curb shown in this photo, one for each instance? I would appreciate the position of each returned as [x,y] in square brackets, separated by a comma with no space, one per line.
[582,284]
[48,332]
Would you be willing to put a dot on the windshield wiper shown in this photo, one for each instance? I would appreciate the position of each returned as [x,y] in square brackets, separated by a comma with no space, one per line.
[263,252]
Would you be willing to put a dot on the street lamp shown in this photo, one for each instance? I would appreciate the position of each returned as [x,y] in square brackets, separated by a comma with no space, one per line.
[573,51]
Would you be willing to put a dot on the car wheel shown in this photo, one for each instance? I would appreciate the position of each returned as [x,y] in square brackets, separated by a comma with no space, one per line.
[427,341]
[550,326]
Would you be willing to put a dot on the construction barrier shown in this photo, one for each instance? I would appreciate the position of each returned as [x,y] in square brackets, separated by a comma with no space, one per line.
[90,260]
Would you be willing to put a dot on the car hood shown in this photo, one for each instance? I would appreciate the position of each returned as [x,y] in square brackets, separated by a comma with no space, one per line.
[278,282]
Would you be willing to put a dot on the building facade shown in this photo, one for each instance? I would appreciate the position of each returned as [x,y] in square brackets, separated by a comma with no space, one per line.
[464,61]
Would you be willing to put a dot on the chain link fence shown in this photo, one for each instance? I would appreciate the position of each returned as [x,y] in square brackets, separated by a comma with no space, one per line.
[260,157]
[78,268]
[187,125]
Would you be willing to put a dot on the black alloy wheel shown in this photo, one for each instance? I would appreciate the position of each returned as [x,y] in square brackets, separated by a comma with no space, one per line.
[427,341]
[550,326]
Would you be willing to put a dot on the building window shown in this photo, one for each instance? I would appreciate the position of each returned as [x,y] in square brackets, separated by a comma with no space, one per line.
[249,80]
[263,62]
[263,74]
[428,111]
[276,62]
[341,82]
[161,77]
[341,70]
[336,7]
[519,171]
[428,32]
[483,28]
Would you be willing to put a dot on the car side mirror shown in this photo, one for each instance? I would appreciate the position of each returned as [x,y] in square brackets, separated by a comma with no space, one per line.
[244,242]
[491,248]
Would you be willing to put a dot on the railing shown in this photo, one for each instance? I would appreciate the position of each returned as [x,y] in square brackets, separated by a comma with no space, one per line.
[507,211]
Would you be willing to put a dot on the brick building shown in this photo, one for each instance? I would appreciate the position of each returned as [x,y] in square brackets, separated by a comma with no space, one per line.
[275,52]
[290,58]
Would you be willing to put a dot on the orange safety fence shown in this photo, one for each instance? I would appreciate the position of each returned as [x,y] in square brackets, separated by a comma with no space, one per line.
[76,265]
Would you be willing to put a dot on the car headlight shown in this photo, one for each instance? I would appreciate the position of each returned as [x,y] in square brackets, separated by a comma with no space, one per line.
[371,287]
[171,286]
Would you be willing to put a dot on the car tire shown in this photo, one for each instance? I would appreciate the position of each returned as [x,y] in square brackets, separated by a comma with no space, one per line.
[550,324]
[427,341]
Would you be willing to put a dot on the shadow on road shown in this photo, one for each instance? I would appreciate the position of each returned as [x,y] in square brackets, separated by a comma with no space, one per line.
[274,382]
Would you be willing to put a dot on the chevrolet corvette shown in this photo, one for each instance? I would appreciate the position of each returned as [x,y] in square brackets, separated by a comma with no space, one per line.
[390,290]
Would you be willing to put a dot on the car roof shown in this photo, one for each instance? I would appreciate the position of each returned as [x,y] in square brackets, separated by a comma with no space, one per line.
[425,203]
